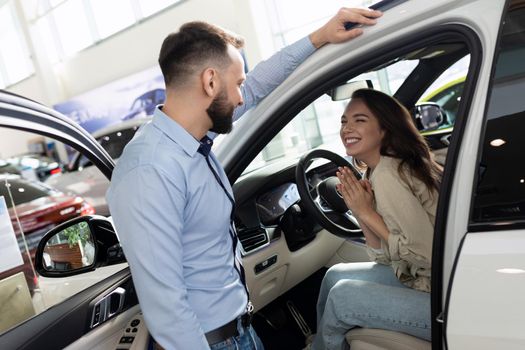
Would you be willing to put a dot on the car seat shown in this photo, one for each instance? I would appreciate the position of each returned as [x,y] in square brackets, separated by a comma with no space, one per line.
[380,339]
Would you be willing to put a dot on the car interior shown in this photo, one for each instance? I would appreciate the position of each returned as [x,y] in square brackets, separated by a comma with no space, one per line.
[292,230]
[291,226]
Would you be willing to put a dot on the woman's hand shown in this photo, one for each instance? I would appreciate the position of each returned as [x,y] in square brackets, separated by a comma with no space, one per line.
[358,195]
[359,198]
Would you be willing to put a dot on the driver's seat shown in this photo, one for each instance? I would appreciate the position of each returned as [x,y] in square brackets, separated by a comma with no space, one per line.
[380,339]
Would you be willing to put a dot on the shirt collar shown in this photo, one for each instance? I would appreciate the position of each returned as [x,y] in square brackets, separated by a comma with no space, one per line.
[175,132]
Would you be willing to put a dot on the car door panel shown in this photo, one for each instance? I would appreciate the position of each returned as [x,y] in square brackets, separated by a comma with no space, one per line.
[70,319]
[488,279]
[126,330]
[54,290]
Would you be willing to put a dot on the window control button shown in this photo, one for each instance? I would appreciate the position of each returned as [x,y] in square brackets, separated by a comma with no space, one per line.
[126,340]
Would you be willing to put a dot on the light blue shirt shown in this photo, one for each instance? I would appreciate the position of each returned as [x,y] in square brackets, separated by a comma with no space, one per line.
[173,218]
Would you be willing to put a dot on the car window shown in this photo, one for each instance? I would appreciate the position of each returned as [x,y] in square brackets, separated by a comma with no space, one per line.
[29,208]
[446,90]
[317,126]
[500,186]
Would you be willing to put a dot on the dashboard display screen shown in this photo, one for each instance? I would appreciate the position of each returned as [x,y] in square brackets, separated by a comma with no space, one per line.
[272,204]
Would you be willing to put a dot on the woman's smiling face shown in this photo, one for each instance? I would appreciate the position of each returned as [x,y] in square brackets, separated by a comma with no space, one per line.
[361,133]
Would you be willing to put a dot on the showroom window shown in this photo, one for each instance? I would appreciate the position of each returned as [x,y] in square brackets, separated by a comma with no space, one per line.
[93,21]
[500,188]
[14,52]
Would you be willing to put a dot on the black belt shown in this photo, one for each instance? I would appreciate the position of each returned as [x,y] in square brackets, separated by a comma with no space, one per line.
[228,330]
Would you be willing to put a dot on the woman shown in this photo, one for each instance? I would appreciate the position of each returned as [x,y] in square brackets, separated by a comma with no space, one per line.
[395,205]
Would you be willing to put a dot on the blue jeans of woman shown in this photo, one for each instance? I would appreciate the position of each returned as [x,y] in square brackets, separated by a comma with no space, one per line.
[367,295]
[246,340]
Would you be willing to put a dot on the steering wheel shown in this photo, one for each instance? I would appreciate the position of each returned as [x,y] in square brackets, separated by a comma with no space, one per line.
[322,200]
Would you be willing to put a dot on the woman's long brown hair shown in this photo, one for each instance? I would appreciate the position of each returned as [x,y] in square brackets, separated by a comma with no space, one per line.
[401,140]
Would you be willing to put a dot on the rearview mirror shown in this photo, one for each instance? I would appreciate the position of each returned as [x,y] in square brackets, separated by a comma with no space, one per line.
[78,245]
[429,116]
[345,91]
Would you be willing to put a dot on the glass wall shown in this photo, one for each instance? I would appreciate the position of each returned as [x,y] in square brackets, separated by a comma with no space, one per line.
[63,27]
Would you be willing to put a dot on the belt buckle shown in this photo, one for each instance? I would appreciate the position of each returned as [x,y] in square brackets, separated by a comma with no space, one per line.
[246,319]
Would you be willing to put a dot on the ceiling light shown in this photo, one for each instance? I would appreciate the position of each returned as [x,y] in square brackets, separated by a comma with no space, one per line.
[497,142]
[510,271]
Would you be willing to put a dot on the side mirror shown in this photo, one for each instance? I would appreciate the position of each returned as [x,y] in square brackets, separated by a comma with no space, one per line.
[429,116]
[78,245]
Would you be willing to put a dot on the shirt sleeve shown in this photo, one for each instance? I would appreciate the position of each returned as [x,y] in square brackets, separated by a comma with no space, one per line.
[411,230]
[378,255]
[148,211]
[269,74]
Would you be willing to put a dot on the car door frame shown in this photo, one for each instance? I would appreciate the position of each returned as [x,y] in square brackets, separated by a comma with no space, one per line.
[17,112]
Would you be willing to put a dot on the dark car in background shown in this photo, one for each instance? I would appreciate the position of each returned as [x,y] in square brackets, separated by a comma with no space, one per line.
[39,208]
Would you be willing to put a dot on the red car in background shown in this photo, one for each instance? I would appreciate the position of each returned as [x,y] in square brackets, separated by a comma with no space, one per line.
[34,209]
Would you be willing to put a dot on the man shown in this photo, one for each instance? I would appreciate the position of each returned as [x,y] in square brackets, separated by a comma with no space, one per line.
[170,199]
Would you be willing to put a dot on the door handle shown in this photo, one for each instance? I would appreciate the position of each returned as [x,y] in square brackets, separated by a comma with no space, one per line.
[108,306]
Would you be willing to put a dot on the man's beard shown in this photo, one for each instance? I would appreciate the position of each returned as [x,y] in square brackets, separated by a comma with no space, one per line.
[220,112]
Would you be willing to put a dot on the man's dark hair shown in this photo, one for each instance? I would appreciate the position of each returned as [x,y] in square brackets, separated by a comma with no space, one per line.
[195,44]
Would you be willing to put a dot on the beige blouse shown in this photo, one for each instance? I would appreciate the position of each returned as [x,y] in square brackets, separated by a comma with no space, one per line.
[409,212]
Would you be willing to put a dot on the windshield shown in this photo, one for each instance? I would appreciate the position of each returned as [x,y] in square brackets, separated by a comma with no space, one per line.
[317,126]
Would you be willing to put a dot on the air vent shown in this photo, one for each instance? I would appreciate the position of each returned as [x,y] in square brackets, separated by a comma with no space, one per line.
[252,239]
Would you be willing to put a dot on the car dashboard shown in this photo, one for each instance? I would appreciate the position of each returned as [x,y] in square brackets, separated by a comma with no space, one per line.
[282,245]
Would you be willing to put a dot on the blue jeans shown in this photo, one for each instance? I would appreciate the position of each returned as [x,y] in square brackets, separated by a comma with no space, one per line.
[367,295]
[246,340]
